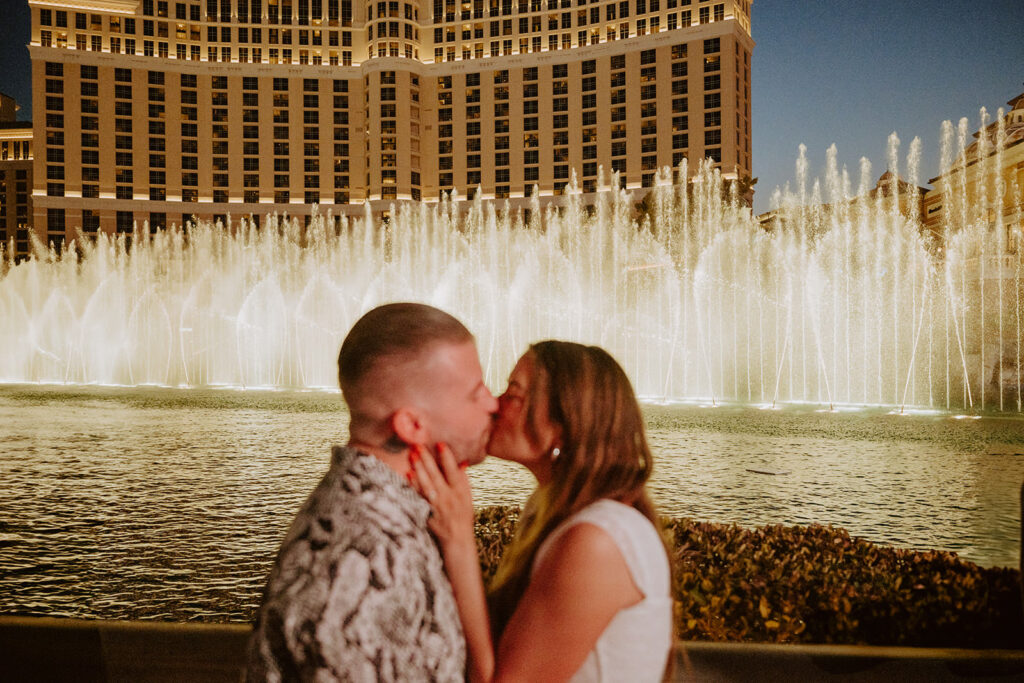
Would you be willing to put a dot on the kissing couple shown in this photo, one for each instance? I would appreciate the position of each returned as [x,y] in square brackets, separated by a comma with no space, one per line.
[378,577]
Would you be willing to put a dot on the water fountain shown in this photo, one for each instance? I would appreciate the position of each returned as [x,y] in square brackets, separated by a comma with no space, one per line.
[843,300]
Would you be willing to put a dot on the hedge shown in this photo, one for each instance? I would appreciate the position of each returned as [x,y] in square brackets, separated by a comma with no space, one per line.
[817,584]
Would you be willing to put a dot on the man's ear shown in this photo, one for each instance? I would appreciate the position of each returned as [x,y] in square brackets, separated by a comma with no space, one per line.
[408,426]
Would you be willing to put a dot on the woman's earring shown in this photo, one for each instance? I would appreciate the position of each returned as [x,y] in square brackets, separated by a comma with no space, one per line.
[555,452]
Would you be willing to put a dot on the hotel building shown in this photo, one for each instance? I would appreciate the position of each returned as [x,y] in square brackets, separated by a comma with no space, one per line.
[985,183]
[156,110]
[15,178]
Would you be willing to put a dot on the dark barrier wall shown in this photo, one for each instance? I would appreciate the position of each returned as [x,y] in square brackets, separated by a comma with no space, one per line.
[42,649]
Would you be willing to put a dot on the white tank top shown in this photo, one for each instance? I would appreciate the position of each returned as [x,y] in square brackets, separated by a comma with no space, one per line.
[636,644]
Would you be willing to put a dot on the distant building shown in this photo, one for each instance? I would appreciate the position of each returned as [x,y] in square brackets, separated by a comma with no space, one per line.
[160,110]
[15,178]
[968,188]
[909,199]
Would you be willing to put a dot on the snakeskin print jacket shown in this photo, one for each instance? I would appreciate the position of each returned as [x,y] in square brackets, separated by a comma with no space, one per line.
[358,591]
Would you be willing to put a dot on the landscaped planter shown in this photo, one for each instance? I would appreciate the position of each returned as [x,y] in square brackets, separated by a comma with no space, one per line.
[817,584]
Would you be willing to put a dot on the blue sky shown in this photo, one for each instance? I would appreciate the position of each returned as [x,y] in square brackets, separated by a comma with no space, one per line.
[851,73]
[848,73]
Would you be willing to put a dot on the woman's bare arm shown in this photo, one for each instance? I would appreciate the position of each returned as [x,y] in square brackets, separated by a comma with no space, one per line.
[574,594]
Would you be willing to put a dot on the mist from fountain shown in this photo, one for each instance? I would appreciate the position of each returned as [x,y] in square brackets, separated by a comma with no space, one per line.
[842,301]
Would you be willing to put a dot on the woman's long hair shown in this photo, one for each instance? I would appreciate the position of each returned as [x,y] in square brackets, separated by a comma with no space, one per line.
[604,454]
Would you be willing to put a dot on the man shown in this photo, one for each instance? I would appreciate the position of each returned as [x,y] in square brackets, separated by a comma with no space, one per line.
[358,591]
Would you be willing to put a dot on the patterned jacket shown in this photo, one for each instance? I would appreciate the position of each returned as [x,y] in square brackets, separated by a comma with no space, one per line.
[358,591]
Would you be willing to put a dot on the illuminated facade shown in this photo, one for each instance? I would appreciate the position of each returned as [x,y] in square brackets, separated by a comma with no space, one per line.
[161,110]
[15,178]
[986,182]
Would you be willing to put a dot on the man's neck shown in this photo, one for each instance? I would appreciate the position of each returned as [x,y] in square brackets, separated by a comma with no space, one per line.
[396,460]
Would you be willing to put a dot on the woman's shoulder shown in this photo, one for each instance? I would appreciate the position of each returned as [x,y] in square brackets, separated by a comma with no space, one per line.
[634,535]
[616,518]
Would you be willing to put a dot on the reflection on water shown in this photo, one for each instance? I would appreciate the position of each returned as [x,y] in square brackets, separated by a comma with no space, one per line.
[164,504]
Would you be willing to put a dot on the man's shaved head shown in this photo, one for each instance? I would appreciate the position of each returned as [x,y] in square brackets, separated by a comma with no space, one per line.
[384,348]
[394,332]
[417,364]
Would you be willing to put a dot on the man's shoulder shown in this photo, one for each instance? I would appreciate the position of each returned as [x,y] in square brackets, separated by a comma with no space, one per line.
[357,506]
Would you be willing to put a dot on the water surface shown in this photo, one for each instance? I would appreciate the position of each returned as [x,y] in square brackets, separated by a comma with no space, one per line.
[152,503]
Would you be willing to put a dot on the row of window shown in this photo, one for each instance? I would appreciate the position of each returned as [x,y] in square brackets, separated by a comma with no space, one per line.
[562,21]
[223,34]
[445,10]
[124,77]
[560,185]
[57,221]
[306,12]
[213,54]
[339,12]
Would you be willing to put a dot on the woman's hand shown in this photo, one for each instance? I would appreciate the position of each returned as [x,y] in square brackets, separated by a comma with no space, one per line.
[443,482]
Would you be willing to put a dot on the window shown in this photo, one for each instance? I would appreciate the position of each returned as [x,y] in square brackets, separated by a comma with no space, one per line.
[55,221]
[124,221]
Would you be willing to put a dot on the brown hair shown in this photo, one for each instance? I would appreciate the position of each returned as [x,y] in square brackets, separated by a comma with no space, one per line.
[604,454]
[390,332]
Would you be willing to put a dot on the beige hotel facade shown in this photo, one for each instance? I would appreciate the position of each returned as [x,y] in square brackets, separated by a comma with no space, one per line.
[157,110]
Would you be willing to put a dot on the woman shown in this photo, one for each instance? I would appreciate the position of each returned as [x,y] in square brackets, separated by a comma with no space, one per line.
[582,591]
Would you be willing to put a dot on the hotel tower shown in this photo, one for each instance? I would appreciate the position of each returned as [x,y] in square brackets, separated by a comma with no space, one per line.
[156,110]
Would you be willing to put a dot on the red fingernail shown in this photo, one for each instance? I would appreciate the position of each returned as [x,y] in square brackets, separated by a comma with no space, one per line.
[463,466]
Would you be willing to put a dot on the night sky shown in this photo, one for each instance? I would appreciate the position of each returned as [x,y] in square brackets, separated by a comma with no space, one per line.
[845,73]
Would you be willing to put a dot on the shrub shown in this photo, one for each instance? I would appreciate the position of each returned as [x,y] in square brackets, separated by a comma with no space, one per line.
[817,584]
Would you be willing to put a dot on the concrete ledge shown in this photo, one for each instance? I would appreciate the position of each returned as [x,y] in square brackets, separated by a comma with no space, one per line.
[45,649]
